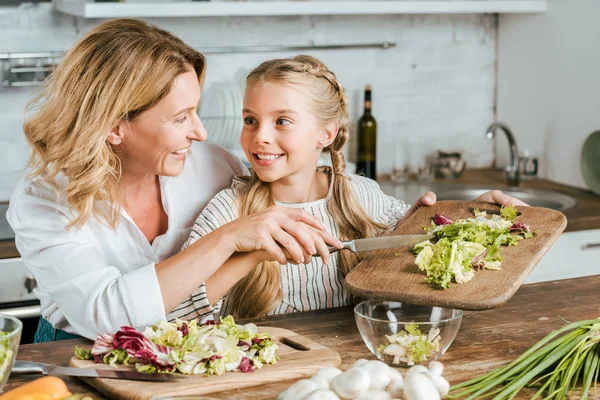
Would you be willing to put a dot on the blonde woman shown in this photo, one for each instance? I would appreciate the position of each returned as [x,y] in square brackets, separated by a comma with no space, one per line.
[295,109]
[119,174]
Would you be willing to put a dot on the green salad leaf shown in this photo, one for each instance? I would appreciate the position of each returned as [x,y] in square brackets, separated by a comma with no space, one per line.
[466,245]
[410,345]
[6,356]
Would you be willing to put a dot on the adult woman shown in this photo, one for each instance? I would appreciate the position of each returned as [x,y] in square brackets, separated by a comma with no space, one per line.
[111,197]
[110,135]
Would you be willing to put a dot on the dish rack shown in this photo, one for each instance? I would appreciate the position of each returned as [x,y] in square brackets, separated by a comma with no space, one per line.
[26,69]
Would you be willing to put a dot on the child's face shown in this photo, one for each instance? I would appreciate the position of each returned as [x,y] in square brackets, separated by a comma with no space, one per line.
[281,136]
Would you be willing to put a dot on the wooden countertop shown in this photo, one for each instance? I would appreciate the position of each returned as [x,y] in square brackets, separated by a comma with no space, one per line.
[486,339]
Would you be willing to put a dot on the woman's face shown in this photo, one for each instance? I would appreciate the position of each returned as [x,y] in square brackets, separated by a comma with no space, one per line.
[281,136]
[157,140]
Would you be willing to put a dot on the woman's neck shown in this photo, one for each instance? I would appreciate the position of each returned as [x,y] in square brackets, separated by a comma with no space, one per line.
[301,188]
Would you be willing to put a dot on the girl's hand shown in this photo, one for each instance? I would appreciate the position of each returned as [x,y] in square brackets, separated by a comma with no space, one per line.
[280,230]
[493,196]
[496,196]
[428,199]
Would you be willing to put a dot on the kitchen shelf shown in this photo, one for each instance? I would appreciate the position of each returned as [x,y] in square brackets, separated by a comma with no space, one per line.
[277,8]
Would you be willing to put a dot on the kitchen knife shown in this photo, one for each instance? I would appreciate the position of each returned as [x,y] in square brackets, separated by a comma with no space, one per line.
[30,367]
[382,242]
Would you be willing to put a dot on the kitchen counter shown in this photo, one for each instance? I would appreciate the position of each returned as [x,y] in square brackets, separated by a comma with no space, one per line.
[486,339]
[585,215]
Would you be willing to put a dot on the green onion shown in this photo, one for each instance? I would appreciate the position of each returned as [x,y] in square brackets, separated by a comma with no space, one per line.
[554,366]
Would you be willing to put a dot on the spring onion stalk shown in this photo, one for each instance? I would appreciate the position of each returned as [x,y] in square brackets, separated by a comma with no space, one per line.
[554,366]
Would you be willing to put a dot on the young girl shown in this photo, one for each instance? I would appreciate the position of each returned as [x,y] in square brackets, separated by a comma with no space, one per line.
[294,109]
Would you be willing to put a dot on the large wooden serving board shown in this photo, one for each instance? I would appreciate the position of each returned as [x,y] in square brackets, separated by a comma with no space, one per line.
[391,274]
[299,357]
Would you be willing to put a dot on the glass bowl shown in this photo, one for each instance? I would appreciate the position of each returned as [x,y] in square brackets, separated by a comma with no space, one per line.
[404,334]
[10,336]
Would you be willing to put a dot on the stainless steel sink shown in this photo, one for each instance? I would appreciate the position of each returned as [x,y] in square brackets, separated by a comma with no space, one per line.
[412,191]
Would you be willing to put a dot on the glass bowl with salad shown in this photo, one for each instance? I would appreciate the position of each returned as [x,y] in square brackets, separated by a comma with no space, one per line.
[403,335]
[10,336]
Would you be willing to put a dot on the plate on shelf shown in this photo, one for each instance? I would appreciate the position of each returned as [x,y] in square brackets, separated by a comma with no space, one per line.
[590,162]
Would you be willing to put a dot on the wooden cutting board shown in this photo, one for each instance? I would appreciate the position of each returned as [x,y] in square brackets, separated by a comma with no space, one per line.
[299,357]
[391,274]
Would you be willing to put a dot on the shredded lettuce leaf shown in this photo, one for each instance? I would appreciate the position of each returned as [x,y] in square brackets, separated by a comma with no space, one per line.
[6,356]
[189,347]
[410,345]
[467,245]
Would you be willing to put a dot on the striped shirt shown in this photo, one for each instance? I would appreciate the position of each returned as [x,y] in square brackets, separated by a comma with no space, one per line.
[305,287]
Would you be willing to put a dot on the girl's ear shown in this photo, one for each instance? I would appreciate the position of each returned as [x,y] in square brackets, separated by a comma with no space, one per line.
[328,135]
[115,136]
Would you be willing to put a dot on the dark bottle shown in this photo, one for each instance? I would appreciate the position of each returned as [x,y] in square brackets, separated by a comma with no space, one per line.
[367,140]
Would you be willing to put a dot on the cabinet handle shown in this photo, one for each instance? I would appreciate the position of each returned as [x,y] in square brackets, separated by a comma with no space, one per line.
[589,246]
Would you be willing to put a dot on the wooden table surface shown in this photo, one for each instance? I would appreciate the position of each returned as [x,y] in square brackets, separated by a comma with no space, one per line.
[486,339]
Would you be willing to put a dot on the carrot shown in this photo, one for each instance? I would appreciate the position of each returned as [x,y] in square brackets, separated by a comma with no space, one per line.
[46,388]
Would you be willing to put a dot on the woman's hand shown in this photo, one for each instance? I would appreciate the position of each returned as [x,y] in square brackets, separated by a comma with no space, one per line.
[496,196]
[280,230]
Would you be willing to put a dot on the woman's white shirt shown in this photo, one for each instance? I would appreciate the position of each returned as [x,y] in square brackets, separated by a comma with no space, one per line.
[94,280]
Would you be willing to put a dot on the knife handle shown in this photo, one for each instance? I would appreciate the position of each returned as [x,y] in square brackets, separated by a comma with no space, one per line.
[349,245]
[29,367]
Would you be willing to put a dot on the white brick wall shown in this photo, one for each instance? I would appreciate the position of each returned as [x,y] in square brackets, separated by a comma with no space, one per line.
[434,88]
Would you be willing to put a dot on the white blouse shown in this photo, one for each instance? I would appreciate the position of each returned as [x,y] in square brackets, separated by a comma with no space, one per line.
[94,280]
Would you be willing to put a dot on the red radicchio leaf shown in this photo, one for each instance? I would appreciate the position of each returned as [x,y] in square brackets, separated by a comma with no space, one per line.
[244,345]
[210,322]
[519,226]
[440,219]
[184,329]
[257,340]
[246,365]
[211,358]
[139,346]
[478,262]
[102,346]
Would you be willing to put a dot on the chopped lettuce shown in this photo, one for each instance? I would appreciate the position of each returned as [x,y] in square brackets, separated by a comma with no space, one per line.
[467,245]
[410,345]
[6,356]
[189,347]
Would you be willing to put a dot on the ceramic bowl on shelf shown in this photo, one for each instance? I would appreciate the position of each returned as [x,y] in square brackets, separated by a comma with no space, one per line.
[403,334]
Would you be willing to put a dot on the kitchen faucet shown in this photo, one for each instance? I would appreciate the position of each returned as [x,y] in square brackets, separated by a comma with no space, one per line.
[511,172]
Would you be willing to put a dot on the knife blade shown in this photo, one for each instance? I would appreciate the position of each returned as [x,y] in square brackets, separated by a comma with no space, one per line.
[381,242]
[30,367]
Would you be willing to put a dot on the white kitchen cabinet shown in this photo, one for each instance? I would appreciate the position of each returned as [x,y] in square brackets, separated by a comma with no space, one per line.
[316,7]
[573,255]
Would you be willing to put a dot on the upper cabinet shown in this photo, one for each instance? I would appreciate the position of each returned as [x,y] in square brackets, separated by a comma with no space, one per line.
[265,8]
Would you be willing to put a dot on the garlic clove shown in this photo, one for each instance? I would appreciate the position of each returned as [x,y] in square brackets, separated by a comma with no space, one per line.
[328,373]
[299,390]
[395,388]
[440,383]
[436,367]
[375,395]
[379,372]
[359,362]
[322,394]
[417,369]
[417,386]
[321,381]
[351,383]
[395,374]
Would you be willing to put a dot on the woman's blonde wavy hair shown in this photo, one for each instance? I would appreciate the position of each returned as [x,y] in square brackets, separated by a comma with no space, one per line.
[259,291]
[115,72]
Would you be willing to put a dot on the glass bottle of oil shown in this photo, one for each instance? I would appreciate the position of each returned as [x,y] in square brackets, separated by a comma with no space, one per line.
[367,140]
